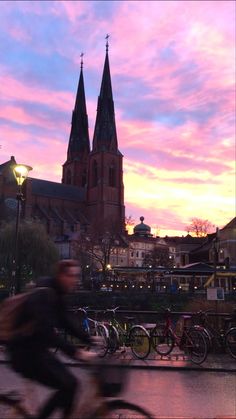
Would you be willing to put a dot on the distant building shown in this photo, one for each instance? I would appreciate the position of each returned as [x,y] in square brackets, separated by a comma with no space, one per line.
[226,244]
[180,248]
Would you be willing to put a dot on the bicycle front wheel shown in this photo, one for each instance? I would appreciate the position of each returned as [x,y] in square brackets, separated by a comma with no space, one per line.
[162,341]
[139,340]
[230,341]
[119,409]
[196,346]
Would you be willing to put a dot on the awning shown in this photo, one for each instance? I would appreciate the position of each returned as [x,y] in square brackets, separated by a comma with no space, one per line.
[218,274]
[209,281]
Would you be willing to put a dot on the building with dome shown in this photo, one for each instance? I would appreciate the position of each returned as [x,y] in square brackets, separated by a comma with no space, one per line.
[134,249]
[142,230]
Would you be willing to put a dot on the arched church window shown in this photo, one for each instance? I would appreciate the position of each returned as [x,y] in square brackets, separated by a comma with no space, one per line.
[95,173]
[68,177]
[112,175]
[84,178]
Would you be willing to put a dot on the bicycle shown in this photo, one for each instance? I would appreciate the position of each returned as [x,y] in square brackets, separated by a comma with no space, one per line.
[135,336]
[223,339]
[191,339]
[107,382]
[93,328]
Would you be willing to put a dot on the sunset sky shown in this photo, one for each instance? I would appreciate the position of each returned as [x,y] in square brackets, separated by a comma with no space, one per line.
[173,77]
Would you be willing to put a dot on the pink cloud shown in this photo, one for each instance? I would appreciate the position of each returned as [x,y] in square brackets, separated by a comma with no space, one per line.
[13,89]
[21,116]
[46,155]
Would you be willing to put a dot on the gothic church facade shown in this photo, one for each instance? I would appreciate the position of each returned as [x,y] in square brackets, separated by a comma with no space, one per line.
[92,190]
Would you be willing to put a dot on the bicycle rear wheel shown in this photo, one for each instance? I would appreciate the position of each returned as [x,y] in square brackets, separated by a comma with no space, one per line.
[119,409]
[139,340]
[230,341]
[113,339]
[102,331]
[196,346]
[162,341]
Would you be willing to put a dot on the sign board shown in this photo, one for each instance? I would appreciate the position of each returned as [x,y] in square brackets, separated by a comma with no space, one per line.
[215,294]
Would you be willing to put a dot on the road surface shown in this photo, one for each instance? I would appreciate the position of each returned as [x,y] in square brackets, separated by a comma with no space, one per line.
[167,394]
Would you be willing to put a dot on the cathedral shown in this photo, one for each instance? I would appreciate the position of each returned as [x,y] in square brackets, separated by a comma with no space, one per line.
[91,191]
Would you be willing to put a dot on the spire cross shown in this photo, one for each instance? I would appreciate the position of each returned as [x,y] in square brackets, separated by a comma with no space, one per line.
[81,61]
[107,44]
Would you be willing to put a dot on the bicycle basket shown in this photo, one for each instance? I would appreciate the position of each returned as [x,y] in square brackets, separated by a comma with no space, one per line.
[112,379]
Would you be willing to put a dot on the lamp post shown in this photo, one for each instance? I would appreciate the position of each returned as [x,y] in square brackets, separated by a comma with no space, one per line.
[215,253]
[20,172]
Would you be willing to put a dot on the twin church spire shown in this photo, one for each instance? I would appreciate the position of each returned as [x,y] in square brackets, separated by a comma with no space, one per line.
[97,172]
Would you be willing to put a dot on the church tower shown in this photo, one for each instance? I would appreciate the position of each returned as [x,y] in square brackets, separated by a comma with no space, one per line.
[75,168]
[105,192]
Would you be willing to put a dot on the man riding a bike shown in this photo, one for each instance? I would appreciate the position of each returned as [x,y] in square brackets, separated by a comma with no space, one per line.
[30,353]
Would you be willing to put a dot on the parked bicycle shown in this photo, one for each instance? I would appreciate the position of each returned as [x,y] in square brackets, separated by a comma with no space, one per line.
[93,328]
[191,339]
[224,338]
[131,335]
[106,381]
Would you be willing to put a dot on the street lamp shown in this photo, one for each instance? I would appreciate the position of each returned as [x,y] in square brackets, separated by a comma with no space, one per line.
[20,172]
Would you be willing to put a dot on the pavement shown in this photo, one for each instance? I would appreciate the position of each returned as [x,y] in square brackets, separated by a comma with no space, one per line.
[177,360]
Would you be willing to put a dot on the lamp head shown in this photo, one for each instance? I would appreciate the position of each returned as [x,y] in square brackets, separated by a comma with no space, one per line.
[21,172]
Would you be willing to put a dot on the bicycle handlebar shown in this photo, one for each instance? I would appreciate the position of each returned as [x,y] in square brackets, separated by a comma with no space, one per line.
[113,310]
[81,310]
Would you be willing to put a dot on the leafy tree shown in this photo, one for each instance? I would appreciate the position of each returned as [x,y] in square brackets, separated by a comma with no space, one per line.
[199,227]
[36,251]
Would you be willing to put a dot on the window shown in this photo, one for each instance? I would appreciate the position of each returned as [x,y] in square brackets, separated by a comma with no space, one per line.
[143,255]
[112,175]
[95,173]
[137,254]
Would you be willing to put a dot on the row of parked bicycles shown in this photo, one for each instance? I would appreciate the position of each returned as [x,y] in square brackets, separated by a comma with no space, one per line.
[194,334]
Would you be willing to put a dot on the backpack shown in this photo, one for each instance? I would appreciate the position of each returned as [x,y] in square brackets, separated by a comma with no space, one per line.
[10,312]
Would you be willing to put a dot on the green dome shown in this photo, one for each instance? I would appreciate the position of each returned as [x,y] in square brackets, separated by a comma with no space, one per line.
[142,228]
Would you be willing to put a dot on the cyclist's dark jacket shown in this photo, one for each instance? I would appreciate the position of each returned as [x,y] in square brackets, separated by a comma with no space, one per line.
[46,307]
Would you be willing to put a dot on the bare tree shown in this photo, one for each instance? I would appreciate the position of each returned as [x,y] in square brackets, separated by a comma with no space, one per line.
[94,247]
[129,222]
[199,227]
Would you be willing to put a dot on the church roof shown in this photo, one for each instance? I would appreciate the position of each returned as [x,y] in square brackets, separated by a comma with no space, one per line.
[231,224]
[57,190]
[7,164]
